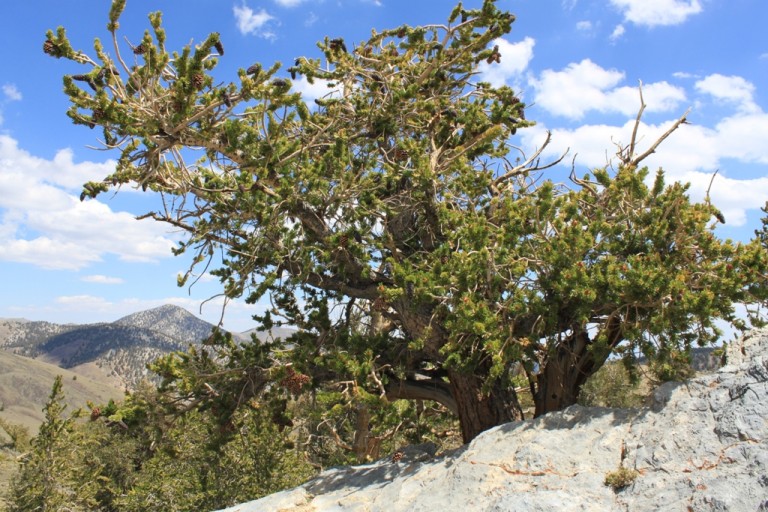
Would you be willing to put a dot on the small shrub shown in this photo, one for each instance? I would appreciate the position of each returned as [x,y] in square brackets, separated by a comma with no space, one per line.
[672,366]
[611,386]
[18,434]
[620,478]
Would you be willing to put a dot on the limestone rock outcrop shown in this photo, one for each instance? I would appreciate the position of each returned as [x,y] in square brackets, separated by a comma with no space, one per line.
[701,445]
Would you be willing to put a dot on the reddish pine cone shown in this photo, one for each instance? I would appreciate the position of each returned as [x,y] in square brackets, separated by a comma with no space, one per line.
[198,80]
[293,381]
[49,47]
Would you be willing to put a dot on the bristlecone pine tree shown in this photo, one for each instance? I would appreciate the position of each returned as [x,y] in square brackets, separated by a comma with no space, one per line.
[398,202]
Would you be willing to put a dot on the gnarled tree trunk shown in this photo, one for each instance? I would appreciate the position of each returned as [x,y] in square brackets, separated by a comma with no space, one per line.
[565,371]
[477,412]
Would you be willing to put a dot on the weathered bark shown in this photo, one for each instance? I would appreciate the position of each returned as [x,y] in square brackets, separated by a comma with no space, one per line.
[559,382]
[426,389]
[557,389]
[478,412]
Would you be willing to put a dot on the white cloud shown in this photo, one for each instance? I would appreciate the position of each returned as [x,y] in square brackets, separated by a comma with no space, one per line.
[691,154]
[651,13]
[288,3]
[584,26]
[617,33]
[250,22]
[100,279]
[47,253]
[43,223]
[11,93]
[318,89]
[515,58]
[585,86]
[87,302]
[733,89]
[742,137]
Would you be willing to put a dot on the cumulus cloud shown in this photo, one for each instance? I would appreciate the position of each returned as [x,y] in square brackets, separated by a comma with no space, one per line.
[43,223]
[692,154]
[312,91]
[515,58]
[732,89]
[584,26]
[617,33]
[11,93]
[651,13]
[585,86]
[288,3]
[250,22]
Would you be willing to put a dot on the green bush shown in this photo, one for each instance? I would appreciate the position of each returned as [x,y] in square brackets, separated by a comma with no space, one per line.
[621,478]
[612,386]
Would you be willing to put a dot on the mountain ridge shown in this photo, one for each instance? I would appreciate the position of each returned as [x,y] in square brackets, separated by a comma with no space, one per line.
[120,350]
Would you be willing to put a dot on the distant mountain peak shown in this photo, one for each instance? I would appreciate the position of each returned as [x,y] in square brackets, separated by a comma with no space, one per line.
[160,311]
[172,320]
[122,348]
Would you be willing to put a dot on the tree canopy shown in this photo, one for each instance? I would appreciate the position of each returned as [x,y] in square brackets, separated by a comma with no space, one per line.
[394,224]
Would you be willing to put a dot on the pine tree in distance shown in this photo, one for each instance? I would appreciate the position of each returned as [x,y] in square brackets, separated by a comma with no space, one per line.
[394,225]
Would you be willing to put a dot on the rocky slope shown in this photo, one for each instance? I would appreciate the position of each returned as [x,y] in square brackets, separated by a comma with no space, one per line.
[702,445]
[119,350]
[170,320]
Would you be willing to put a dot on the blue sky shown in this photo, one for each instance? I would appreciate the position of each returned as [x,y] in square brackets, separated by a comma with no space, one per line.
[577,64]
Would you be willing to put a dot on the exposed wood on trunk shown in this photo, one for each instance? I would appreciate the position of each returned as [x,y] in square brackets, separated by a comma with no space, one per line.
[429,389]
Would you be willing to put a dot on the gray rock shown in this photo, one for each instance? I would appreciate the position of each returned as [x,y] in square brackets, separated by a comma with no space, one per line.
[701,446]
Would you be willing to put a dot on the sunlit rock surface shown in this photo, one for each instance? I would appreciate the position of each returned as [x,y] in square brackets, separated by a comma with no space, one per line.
[700,446]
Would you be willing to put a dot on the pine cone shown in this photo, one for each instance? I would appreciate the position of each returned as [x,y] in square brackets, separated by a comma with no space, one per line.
[49,47]
[293,381]
[495,56]
[254,70]
[198,81]
[338,44]
[140,49]
[343,240]
[399,155]
[280,83]
[379,304]
[219,47]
